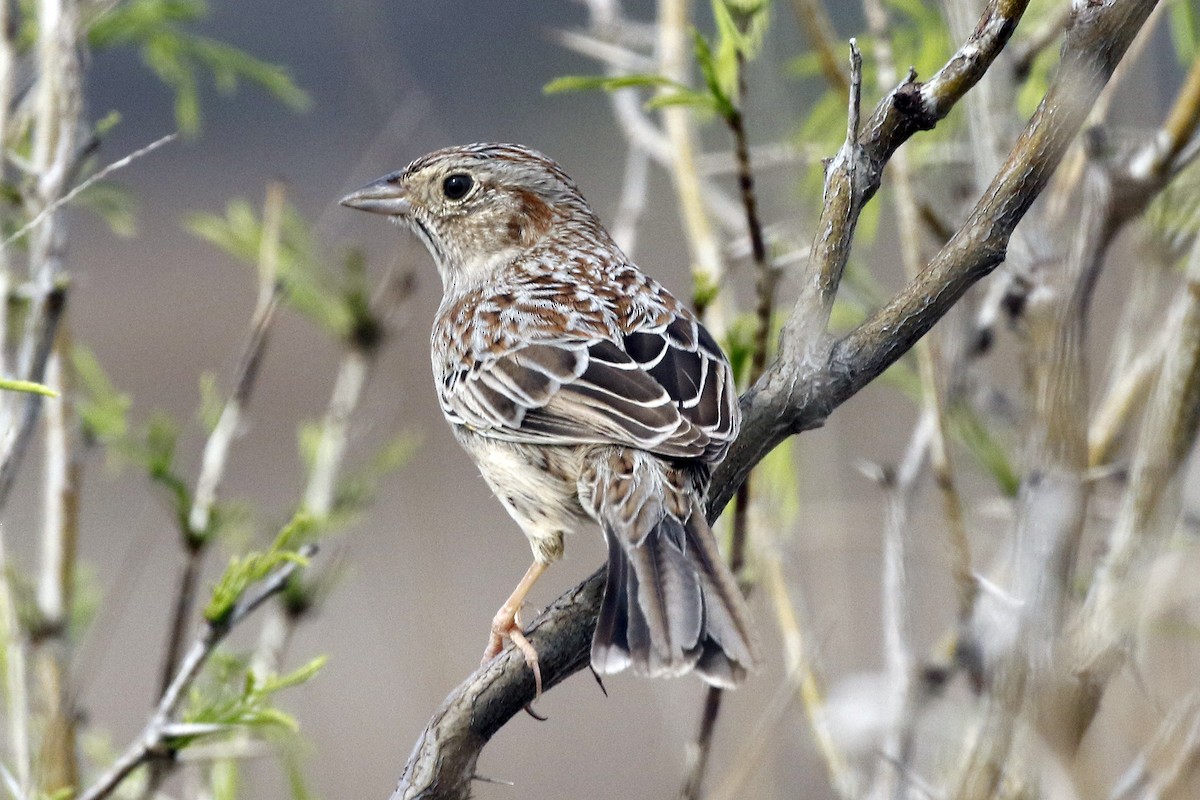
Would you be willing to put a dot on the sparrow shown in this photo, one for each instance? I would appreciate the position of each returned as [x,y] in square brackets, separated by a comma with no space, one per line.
[583,390]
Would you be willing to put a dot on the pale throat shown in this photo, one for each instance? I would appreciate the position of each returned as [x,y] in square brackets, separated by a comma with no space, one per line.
[463,271]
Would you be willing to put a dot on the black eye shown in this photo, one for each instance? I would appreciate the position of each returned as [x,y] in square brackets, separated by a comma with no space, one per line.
[456,186]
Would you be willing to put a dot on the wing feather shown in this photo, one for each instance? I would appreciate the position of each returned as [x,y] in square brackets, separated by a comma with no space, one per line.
[665,389]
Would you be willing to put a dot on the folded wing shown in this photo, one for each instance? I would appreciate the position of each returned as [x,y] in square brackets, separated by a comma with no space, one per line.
[666,390]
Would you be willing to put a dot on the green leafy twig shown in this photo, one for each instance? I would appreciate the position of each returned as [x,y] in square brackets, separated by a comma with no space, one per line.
[246,585]
[178,57]
[196,509]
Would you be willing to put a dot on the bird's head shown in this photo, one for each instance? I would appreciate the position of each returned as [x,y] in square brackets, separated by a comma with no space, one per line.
[478,207]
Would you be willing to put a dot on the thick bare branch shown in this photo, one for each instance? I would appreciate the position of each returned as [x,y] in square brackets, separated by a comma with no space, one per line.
[810,379]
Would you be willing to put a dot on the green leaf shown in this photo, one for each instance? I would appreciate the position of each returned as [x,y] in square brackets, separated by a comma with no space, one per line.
[113,203]
[701,101]
[985,448]
[103,411]
[232,697]
[247,570]
[27,387]
[1185,31]
[708,68]
[179,58]
[578,83]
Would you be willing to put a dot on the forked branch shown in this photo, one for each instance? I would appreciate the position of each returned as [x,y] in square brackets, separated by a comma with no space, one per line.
[813,374]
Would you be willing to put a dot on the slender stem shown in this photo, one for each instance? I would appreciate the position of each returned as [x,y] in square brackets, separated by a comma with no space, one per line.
[804,664]
[1030,47]
[154,740]
[357,365]
[700,749]
[197,534]
[16,688]
[766,279]
[707,267]
[1168,435]
[814,21]
[57,760]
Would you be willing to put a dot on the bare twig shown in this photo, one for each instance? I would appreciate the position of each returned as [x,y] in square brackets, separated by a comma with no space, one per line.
[16,688]
[22,420]
[196,535]
[1168,434]
[155,739]
[57,760]
[707,267]
[1168,756]
[216,448]
[1067,180]
[814,21]
[767,277]
[83,186]
[804,664]
[1123,399]
[1030,47]
[354,371]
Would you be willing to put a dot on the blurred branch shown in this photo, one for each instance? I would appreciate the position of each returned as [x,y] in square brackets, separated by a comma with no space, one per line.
[1168,435]
[83,186]
[155,739]
[54,160]
[1067,180]
[355,370]
[766,279]
[814,21]
[1028,48]
[804,665]
[706,263]
[16,688]
[56,583]
[1168,758]
[216,449]
[895,767]
[21,422]
[1124,398]
[197,533]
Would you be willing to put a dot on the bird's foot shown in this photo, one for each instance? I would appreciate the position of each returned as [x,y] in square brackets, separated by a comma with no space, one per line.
[507,626]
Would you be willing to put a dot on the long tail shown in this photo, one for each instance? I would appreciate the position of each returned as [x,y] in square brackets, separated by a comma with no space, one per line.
[670,604]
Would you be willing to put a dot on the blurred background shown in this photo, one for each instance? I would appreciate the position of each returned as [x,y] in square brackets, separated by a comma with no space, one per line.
[427,565]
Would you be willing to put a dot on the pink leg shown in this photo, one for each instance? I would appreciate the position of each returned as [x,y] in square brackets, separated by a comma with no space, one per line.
[506,625]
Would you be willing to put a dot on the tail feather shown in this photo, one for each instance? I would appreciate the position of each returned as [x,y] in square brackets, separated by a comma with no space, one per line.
[670,604]
[668,611]
[610,643]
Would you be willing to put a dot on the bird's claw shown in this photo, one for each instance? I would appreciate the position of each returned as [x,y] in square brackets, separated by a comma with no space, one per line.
[506,626]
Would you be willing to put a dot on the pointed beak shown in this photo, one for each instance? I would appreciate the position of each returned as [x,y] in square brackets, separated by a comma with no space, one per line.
[384,196]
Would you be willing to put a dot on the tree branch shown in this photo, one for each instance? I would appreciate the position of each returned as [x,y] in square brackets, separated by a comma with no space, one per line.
[154,739]
[811,378]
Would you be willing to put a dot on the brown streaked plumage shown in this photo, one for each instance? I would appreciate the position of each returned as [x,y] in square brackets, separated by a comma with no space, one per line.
[582,389]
